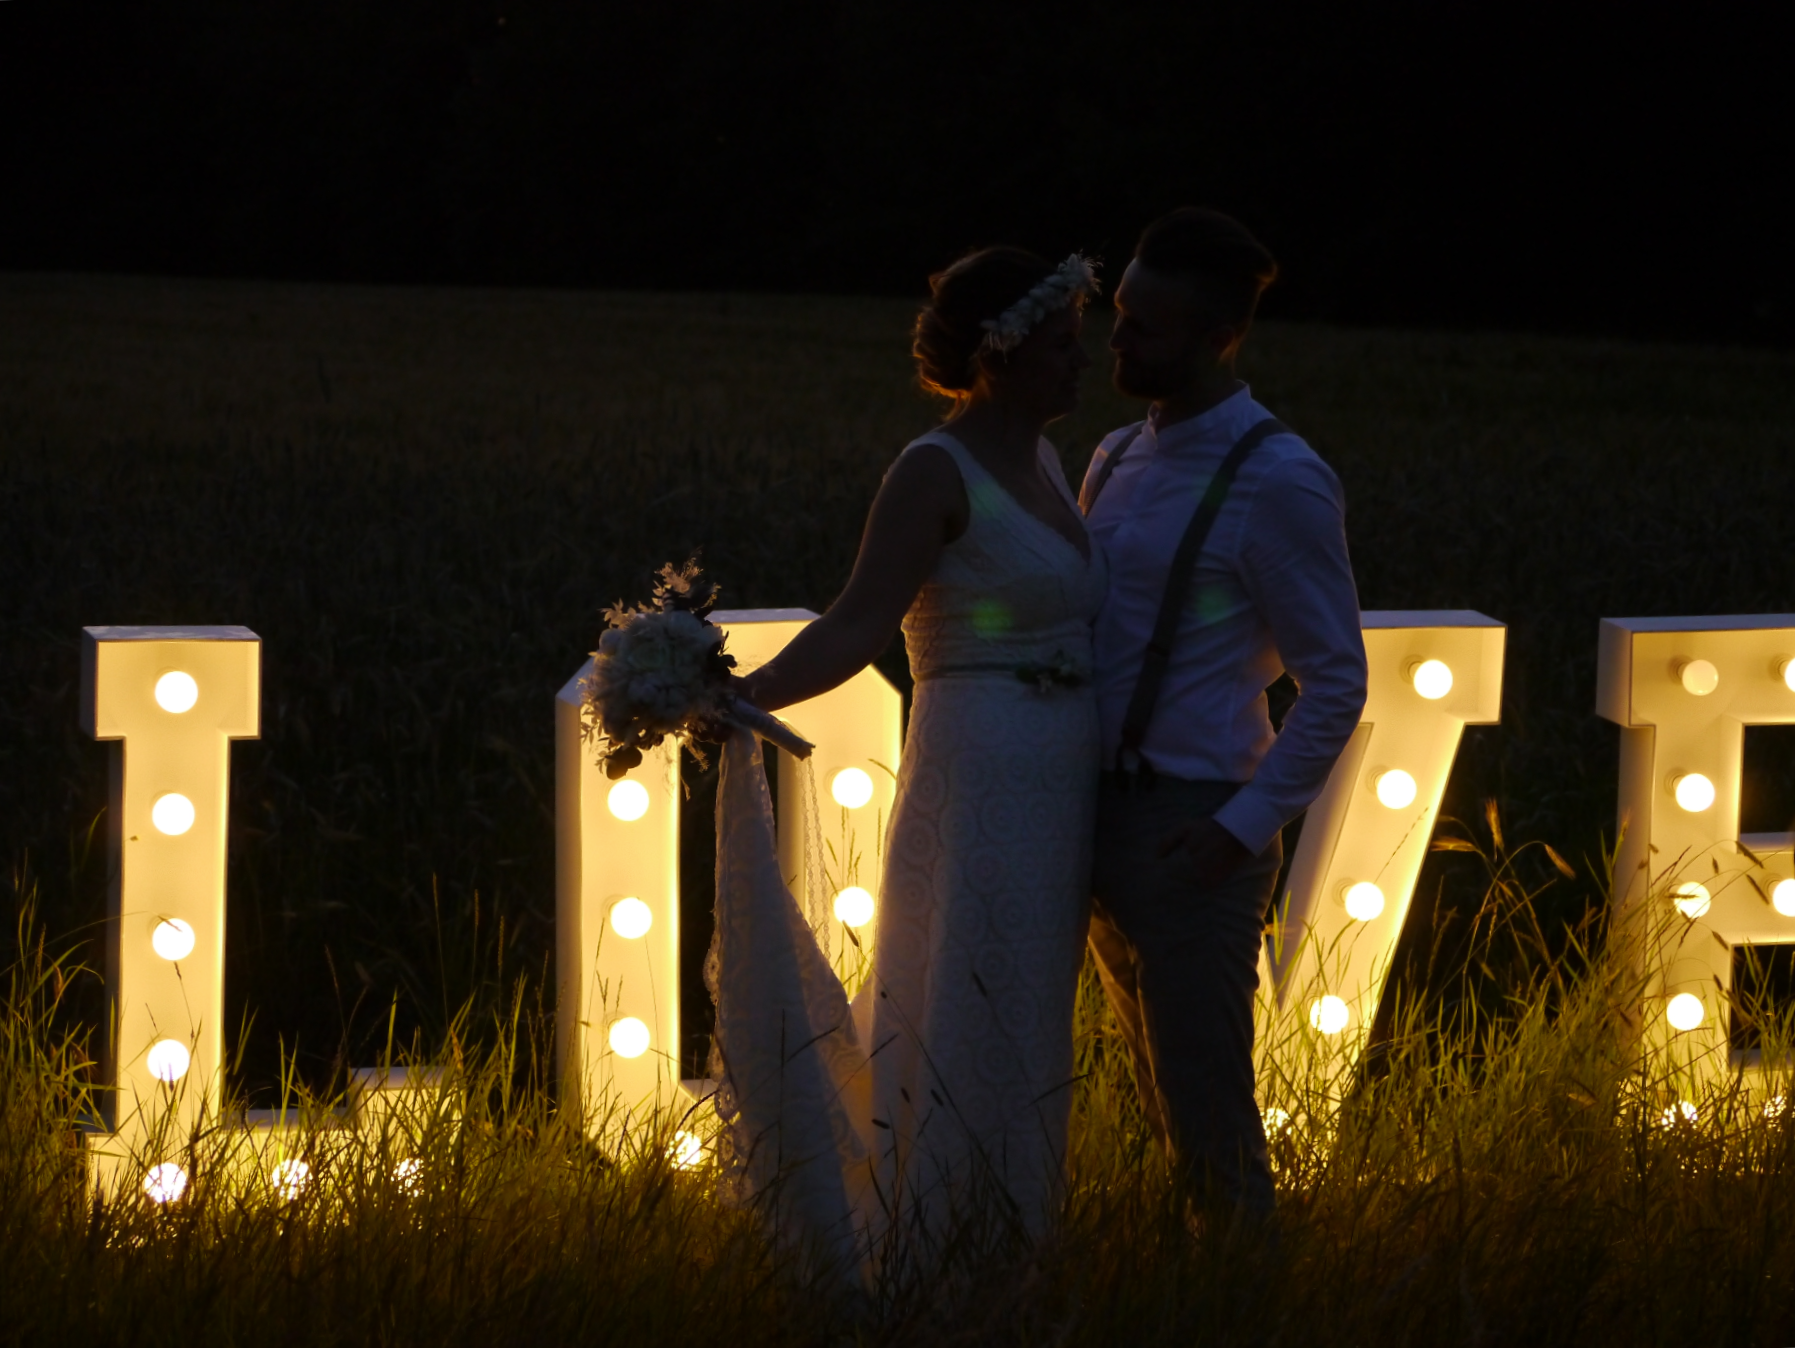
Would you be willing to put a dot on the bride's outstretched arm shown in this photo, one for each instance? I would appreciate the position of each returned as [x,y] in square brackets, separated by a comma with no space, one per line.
[920,508]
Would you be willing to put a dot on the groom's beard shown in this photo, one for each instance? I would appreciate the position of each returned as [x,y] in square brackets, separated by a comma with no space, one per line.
[1143,381]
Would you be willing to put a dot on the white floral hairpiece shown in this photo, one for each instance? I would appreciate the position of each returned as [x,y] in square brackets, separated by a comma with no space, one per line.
[1075,277]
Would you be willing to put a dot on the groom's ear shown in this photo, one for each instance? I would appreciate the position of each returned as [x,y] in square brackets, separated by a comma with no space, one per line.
[1204,310]
[1220,338]
[1227,339]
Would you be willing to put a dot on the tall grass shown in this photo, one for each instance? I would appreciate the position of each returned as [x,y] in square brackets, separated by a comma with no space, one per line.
[470,1214]
[1514,1178]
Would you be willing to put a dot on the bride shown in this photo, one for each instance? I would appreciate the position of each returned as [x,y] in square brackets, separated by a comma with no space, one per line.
[942,1096]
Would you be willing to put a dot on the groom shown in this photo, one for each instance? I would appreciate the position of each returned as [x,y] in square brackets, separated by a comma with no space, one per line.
[1228,567]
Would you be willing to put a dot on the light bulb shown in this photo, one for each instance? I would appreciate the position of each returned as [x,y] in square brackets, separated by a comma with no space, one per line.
[1694,792]
[686,1151]
[1364,901]
[165,1183]
[1782,897]
[1329,1014]
[168,1060]
[1432,679]
[1698,677]
[631,918]
[1681,1112]
[1685,1011]
[629,1037]
[289,1179]
[172,939]
[1276,1120]
[853,907]
[851,788]
[176,692]
[173,814]
[1776,1106]
[1786,672]
[1692,900]
[406,1174]
[1396,789]
[628,800]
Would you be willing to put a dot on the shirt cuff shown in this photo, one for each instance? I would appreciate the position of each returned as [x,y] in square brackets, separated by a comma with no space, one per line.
[1252,820]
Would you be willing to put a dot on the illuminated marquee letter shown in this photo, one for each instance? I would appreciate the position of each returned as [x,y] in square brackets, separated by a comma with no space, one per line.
[617,872]
[616,917]
[1364,838]
[1683,690]
[175,698]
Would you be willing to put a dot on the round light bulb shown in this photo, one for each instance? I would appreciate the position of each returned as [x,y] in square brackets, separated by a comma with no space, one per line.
[172,939]
[1692,900]
[853,907]
[686,1151]
[1276,1120]
[1364,901]
[1786,672]
[628,800]
[1396,789]
[289,1179]
[168,1060]
[1329,1014]
[407,1173]
[631,918]
[176,692]
[851,788]
[164,1183]
[1681,1112]
[1699,677]
[1432,679]
[1685,1011]
[173,814]
[1782,897]
[1776,1106]
[1694,792]
[629,1037]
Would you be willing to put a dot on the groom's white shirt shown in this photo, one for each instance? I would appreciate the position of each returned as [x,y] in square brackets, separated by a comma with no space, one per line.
[1273,591]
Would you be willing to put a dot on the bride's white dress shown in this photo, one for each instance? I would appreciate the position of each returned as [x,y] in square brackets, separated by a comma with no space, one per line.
[945,1089]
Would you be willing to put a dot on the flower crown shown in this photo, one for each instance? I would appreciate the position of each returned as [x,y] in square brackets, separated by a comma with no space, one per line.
[1074,278]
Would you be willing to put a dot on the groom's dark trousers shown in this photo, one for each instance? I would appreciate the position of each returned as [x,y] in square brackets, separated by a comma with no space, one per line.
[1180,962]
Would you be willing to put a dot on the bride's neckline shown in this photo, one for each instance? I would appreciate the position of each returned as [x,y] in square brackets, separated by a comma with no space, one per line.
[1083,549]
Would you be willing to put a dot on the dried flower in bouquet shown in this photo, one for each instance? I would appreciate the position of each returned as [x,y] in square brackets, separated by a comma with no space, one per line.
[660,669]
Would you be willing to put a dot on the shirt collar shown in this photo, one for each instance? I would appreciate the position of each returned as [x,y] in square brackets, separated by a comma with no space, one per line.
[1224,421]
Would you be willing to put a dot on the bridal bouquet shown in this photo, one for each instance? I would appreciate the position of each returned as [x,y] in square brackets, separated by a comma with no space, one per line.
[660,669]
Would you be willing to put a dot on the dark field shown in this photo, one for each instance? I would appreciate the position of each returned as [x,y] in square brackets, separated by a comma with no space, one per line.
[421,499]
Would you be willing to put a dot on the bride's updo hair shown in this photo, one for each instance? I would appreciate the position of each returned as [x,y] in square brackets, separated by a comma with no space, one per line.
[974,291]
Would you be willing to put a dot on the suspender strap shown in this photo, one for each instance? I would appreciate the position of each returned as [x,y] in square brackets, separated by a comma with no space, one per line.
[1158,655]
[1087,497]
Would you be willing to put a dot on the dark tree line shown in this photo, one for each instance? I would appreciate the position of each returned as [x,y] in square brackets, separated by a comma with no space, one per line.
[1413,165]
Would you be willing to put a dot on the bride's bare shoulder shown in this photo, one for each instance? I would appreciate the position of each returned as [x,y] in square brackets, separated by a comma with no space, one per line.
[927,458]
[925,478]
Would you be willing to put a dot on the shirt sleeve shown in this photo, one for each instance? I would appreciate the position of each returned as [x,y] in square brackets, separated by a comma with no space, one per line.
[1295,568]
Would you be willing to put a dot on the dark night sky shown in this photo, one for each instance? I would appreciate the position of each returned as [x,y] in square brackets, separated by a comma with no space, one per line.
[1600,171]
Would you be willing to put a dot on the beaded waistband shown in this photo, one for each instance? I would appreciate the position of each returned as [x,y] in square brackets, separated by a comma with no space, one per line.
[1057,671]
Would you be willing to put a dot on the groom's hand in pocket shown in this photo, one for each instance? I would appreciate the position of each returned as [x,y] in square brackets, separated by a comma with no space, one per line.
[1214,852]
